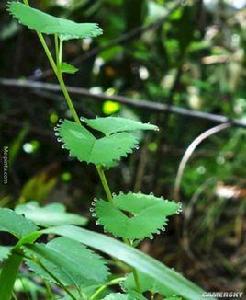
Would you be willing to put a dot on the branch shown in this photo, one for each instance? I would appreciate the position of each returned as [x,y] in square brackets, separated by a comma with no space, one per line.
[141,104]
[189,151]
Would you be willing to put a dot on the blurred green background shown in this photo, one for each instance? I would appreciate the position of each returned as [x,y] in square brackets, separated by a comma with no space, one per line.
[188,54]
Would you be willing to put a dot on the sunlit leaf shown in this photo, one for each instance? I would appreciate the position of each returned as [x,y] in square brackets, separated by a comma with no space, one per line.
[49,215]
[15,224]
[45,23]
[86,147]
[134,215]
[68,68]
[111,125]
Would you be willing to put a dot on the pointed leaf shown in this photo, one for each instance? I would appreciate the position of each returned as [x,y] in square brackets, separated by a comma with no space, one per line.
[15,224]
[50,215]
[44,23]
[70,262]
[103,151]
[135,215]
[111,125]
[68,68]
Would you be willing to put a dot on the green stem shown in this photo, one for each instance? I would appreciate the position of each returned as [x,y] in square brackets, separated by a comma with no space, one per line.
[9,274]
[104,183]
[58,73]
[136,279]
[57,50]
[48,53]
[48,290]
[104,287]
[134,271]
[68,98]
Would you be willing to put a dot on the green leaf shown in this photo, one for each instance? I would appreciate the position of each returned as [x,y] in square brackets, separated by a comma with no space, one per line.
[44,23]
[146,284]
[135,215]
[68,68]
[135,258]
[86,147]
[4,252]
[111,125]
[70,262]
[50,215]
[15,224]
[8,275]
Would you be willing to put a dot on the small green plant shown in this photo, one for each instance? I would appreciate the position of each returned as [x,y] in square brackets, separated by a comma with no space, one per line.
[66,261]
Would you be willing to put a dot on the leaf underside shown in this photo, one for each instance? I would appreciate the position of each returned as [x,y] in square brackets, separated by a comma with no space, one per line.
[134,215]
[102,151]
[69,261]
[45,23]
[50,215]
[15,224]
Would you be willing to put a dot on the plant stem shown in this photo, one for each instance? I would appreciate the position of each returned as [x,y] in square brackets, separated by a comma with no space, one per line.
[48,290]
[134,271]
[104,286]
[136,279]
[47,52]
[58,73]
[68,98]
[57,50]
[57,70]
[104,183]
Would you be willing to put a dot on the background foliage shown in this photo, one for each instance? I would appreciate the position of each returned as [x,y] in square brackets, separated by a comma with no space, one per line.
[194,59]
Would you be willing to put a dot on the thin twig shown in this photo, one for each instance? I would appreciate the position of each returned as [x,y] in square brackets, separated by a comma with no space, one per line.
[189,151]
[141,103]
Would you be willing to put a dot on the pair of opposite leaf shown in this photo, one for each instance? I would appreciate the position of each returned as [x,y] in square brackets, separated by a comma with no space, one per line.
[132,215]
[117,139]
